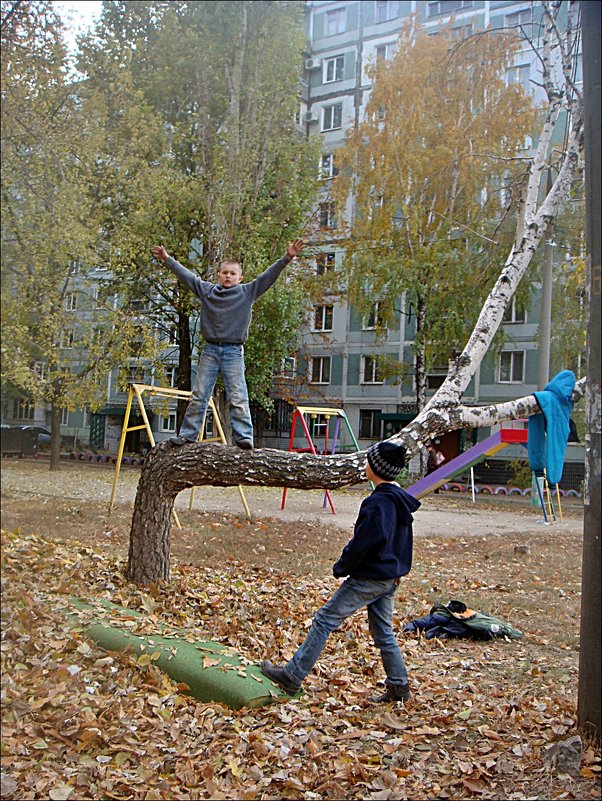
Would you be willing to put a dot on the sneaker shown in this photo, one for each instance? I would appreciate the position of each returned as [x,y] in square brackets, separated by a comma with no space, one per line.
[394,692]
[245,444]
[181,440]
[279,677]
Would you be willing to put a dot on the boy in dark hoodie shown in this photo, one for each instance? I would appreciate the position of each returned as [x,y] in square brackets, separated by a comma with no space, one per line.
[375,558]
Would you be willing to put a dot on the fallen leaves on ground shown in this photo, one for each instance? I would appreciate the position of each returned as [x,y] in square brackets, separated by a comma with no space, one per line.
[81,723]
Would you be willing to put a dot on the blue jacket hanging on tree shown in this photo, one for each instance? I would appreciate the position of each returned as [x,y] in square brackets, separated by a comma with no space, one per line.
[549,430]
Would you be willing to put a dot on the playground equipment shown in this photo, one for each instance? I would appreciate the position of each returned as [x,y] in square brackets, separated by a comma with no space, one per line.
[485,449]
[136,391]
[312,412]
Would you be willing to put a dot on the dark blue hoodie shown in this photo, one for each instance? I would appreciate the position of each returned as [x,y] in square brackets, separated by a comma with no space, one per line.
[381,546]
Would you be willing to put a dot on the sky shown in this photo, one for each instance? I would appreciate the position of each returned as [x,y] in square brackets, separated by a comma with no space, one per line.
[78,15]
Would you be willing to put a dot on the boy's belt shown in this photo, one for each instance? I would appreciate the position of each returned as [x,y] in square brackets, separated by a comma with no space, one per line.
[214,342]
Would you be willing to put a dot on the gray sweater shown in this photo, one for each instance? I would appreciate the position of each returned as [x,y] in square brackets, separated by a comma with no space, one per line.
[226,311]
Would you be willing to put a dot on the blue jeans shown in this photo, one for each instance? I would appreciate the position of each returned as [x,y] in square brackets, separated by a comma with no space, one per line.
[378,597]
[229,360]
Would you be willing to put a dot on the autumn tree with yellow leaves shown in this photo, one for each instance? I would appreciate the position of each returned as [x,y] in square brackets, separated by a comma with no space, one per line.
[432,173]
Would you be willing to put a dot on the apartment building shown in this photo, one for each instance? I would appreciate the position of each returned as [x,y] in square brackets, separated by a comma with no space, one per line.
[340,347]
[337,364]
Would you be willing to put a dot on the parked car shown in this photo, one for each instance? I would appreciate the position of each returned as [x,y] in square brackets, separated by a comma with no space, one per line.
[43,433]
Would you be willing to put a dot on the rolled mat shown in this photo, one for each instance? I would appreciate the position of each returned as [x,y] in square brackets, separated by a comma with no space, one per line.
[211,671]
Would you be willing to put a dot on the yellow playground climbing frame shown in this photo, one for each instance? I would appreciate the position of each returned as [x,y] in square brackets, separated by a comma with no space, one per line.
[136,392]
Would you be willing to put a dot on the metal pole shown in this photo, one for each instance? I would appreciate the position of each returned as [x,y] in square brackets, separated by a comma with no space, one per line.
[545,326]
[590,672]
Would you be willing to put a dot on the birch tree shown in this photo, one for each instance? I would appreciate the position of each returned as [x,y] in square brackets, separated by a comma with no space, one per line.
[167,472]
[430,173]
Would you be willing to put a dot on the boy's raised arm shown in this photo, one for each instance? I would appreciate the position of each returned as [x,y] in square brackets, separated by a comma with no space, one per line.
[190,279]
[268,277]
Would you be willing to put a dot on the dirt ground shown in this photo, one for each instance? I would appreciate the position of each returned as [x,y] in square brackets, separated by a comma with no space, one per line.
[304,537]
[484,719]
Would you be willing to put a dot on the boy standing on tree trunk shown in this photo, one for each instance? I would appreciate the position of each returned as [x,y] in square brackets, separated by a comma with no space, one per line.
[379,553]
[225,318]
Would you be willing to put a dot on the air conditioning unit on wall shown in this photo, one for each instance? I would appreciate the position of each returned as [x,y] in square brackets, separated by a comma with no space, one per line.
[310,116]
[312,63]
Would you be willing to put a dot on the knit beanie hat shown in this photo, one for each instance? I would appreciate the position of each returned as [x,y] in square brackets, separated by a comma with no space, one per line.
[386,459]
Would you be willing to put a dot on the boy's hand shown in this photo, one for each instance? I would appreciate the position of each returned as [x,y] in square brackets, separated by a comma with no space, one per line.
[294,248]
[159,252]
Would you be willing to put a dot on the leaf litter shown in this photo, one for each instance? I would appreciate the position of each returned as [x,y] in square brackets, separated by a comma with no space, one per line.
[81,723]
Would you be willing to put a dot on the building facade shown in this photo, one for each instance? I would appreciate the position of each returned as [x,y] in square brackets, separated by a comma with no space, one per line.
[337,365]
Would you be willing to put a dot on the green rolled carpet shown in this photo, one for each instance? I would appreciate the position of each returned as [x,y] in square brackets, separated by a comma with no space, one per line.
[212,671]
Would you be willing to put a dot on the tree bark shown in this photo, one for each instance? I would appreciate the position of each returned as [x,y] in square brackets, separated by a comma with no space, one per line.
[590,655]
[168,469]
[55,437]
[184,364]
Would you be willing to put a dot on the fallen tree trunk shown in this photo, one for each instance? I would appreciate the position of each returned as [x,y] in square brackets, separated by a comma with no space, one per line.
[168,469]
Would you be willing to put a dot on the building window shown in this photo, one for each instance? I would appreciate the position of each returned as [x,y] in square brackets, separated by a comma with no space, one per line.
[335,21]
[435,380]
[328,168]
[23,409]
[332,117]
[170,376]
[74,266]
[374,318]
[385,52]
[461,32]
[172,336]
[320,370]
[64,417]
[515,312]
[168,423]
[85,417]
[319,427]
[97,298]
[70,302]
[386,10]
[67,338]
[327,216]
[325,263]
[40,370]
[522,20]
[521,74]
[135,374]
[323,318]
[288,367]
[447,6]
[208,431]
[511,367]
[370,425]
[334,69]
[139,304]
[370,371]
